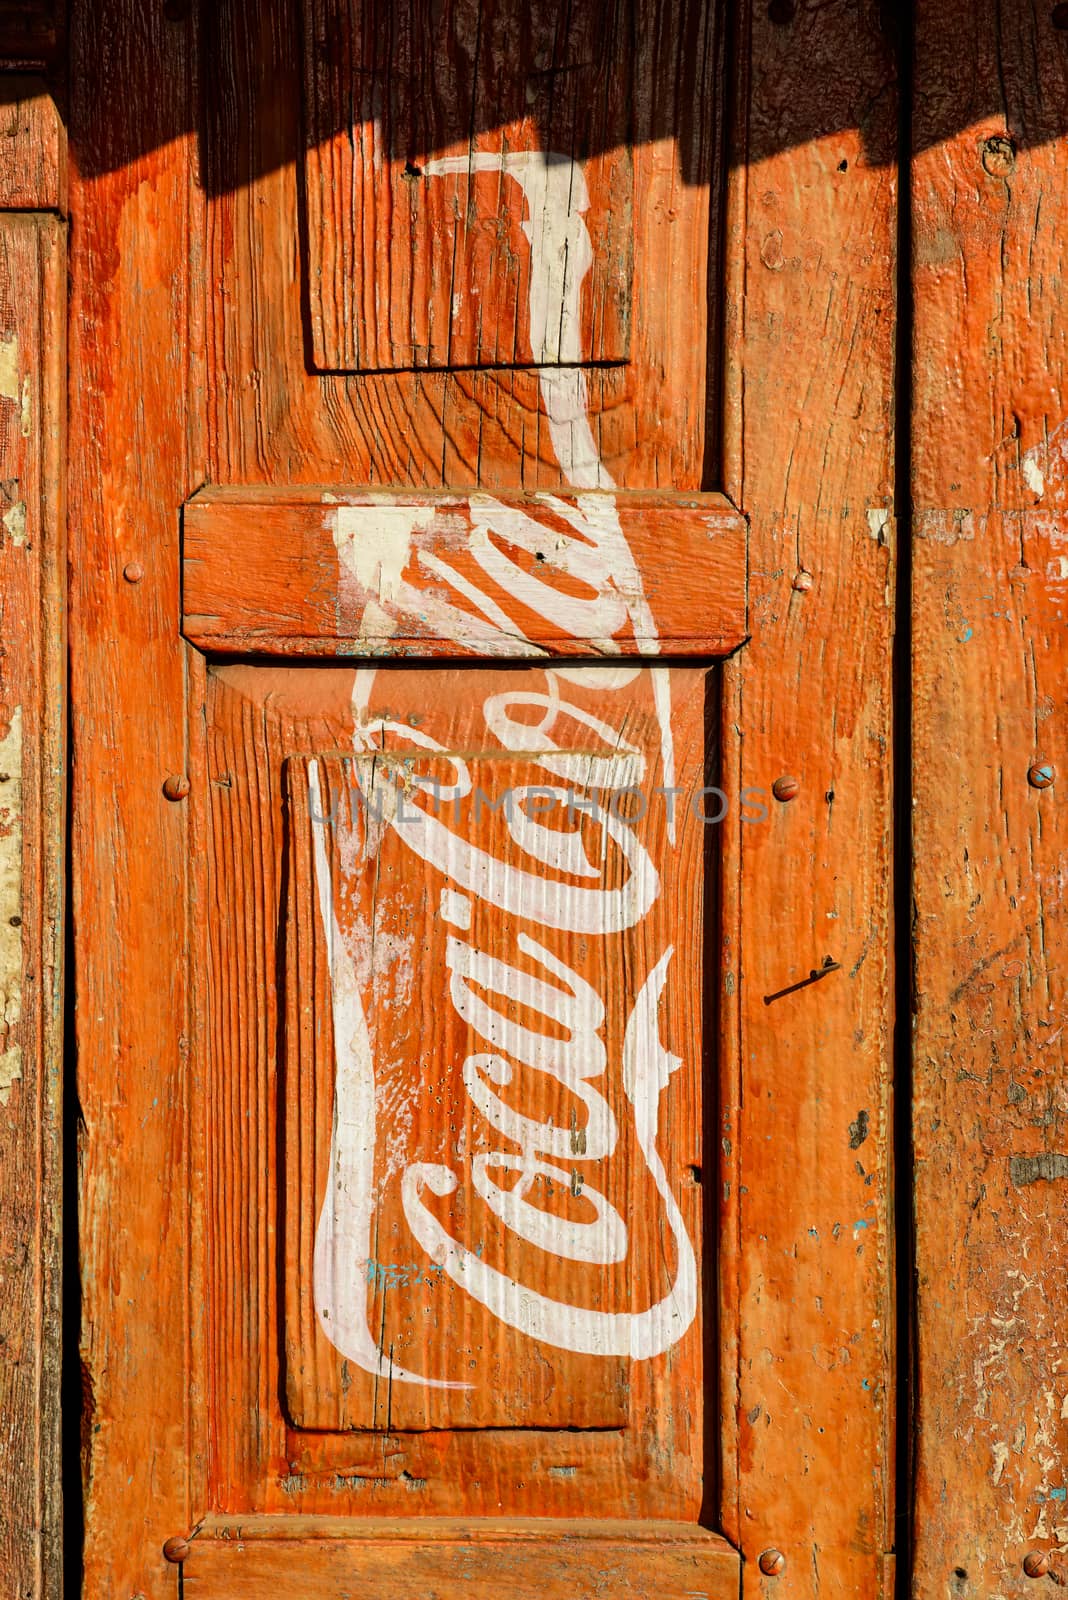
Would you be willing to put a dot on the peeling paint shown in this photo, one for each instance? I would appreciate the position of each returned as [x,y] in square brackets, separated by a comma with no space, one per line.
[10,902]
[9,368]
[14,520]
[1033,476]
[878,522]
[1049,1165]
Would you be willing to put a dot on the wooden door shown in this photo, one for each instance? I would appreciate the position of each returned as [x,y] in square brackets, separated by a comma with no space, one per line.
[485,1072]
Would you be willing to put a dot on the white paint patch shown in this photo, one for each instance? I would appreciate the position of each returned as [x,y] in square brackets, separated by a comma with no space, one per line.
[1033,476]
[374,543]
[455,909]
[1001,1456]
[9,368]
[10,903]
[878,522]
[14,520]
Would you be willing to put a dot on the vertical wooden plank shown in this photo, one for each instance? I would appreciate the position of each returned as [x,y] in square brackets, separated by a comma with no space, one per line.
[32,812]
[808,454]
[33,147]
[991,850]
[132,118]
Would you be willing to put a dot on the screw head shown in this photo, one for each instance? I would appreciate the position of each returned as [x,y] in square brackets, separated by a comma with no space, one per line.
[1036,1563]
[176,1549]
[771,1562]
[176,787]
[1041,775]
[786,788]
[133,572]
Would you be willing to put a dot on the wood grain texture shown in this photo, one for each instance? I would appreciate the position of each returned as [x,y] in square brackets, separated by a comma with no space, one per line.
[31,30]
[33,147]
[419,235]
[32,852]
[806,1115]
[373,574]
[260,717]
[991,492]
[130,293]
[578,1561]
[270,420]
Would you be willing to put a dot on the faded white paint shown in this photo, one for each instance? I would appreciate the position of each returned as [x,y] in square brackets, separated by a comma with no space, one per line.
[343,1233]
[879,522]
[597,557]
[14,520]
[374,542]
[9,368]
[10,903]
[1033,476]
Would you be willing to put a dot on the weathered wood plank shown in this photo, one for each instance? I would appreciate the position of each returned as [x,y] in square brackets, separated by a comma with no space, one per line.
[655,1465]
[132,116]
[991,849]
[32,852]
[33,147]
[505,576]
[438,145]
[271,420]
[808,453]
[577,1561]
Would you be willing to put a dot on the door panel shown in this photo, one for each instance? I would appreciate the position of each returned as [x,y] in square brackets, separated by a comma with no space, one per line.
[440,184]
[220,1008]
[459,1022]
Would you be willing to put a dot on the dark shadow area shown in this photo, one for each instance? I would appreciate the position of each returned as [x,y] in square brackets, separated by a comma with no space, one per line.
[593,74]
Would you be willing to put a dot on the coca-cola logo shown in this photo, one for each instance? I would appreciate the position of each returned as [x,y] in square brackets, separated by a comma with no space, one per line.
[523,1006]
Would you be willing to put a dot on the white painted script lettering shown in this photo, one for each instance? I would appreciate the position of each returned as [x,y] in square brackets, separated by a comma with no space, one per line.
[483,989]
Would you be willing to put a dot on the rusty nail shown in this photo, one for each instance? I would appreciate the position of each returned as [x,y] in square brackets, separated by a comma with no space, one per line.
[802,581]
[133,572]
[1041,775]
[1036,1563]
[176,1549]
[771,1563]
[176,787]
[786,788]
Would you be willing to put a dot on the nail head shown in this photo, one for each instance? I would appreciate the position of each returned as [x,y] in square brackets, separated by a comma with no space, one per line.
[771,1563]
[1036,1563]
[786,788]
[133,572]
[1041,775]
[802,581]
[176,1549]
[176,787]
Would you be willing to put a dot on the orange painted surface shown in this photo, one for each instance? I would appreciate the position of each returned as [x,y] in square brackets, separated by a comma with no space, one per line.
[561,1102]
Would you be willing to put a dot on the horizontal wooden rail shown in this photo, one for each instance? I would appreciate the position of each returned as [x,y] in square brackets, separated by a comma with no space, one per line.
[374,573]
